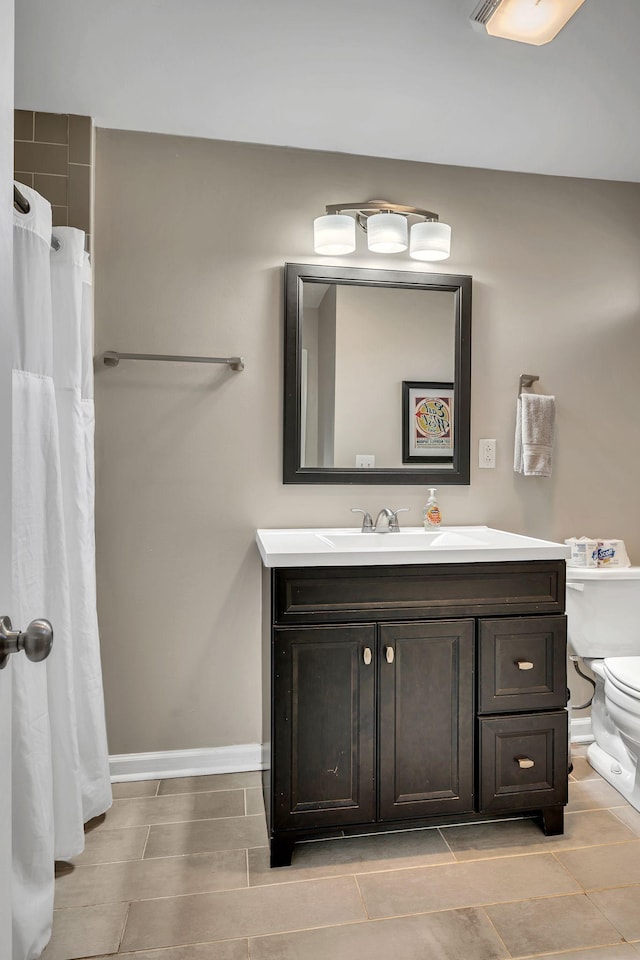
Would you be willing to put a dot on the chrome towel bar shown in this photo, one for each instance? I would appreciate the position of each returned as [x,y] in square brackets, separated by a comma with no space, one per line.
[112,358]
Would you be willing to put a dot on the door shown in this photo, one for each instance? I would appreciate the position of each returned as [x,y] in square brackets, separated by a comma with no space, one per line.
[324,726]
[426,718]
[6,352]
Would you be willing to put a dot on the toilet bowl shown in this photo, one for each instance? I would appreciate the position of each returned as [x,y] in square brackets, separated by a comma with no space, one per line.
[603,626]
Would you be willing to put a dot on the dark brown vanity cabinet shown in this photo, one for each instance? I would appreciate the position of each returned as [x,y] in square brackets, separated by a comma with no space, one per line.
[383,707]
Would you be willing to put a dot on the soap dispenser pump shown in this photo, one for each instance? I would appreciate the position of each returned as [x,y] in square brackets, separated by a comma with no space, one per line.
[431,513]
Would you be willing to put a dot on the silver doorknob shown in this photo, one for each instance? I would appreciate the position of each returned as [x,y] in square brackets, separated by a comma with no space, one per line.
[36,640]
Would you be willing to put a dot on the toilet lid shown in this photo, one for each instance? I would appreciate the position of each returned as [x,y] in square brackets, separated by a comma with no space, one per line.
[624,672]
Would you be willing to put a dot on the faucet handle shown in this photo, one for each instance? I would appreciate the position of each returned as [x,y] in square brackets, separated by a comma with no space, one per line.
[367,522]
[393,523]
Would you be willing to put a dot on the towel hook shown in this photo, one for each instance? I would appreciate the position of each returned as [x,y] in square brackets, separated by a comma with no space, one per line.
[527,380]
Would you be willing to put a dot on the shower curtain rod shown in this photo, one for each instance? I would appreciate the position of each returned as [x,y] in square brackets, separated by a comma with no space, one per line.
[20,201]
[112,358]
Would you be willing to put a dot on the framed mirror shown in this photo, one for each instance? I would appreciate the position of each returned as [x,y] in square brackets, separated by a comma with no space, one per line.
[377,376]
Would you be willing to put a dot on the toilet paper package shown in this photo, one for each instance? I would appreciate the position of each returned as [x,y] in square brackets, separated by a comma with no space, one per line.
[612,553]
[584,552]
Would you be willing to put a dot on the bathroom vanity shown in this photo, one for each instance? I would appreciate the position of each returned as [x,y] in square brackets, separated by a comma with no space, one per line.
[411,679]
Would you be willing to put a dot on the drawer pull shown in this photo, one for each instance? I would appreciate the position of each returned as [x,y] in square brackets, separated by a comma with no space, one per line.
[524,665]
[525,763]
[389,654]
[366,656]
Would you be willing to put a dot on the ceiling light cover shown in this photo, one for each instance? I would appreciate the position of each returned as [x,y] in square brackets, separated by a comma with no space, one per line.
[387,233]
[430,240]
[527,21]
[334,235]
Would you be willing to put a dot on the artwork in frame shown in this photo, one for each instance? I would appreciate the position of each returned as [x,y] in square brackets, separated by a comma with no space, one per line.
[427,422]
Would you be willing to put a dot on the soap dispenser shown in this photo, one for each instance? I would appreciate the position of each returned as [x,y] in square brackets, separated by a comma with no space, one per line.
[431,513]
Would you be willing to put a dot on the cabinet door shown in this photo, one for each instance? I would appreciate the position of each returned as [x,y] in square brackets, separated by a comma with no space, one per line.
[426,718]
[324,728]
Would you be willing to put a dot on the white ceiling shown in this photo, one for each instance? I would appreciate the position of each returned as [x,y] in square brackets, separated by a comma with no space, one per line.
[394,78]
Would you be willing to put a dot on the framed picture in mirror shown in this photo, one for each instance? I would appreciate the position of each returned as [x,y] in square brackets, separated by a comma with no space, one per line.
[427,422]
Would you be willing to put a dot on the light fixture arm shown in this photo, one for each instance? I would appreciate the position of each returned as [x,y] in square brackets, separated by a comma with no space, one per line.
[370,207]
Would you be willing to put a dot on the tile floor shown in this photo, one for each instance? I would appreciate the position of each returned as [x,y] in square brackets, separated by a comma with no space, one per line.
[178,870]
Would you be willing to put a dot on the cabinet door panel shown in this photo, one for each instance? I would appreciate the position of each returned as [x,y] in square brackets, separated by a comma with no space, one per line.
[324,694]
[426,718]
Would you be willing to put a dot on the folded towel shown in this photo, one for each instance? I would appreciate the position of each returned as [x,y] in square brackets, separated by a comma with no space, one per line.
[535,426]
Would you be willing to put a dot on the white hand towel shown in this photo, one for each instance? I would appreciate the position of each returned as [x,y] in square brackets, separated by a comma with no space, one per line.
[535,427]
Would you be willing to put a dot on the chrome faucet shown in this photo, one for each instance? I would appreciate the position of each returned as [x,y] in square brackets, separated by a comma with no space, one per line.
[386,521]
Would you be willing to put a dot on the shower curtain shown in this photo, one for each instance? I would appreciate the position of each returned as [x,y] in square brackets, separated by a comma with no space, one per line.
[59,750]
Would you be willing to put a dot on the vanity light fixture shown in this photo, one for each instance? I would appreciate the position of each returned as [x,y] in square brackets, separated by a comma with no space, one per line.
[528,21]
[387,228]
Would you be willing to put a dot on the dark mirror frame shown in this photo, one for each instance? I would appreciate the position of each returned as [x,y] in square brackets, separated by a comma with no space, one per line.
[295,275]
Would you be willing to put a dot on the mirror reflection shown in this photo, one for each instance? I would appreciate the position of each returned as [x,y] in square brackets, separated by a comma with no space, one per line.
[377,376]
[359,344]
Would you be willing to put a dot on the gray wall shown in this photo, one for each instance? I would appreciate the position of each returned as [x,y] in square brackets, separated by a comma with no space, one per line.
[190,240]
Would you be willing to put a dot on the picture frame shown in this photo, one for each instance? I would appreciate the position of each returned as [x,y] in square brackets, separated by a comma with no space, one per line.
[427,422]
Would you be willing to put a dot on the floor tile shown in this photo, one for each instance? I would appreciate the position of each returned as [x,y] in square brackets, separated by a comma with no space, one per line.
[134,788]
[596,868]
[463,884]
[621,951]
[223,950]
[254,801]
[146,879]
[216,781]
[173,809]
[86,931]
[582,769]
[551,924]
[622,908]
[453,935]
[384,851]
[242,913]
[629,816]
[103,845]
[205,836]
[506,838]
[592,795]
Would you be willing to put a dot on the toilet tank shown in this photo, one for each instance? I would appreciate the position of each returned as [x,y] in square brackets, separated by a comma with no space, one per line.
[603,611]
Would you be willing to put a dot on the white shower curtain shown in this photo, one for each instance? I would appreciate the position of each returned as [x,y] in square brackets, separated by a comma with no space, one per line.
[60,767]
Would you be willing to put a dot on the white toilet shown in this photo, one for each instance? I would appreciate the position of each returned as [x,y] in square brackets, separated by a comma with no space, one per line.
[603,611]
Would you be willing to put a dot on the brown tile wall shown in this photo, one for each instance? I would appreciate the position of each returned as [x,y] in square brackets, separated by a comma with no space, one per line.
[54,155]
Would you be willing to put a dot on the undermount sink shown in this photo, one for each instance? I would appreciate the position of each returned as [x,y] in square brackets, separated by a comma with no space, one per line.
[350,547]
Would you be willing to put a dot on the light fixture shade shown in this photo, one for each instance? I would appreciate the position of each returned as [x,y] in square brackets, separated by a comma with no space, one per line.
[430,240]
[334,235]
[387,233]
[529,21]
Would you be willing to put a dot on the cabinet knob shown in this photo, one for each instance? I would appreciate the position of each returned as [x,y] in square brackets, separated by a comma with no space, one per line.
[366,656]
[525,763]
[389,654]
[524,665]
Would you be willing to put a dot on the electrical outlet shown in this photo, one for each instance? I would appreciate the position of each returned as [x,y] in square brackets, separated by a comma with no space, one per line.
[365,460]
[487,454]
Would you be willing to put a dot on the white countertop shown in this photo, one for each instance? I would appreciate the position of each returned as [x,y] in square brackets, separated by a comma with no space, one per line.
[348,547]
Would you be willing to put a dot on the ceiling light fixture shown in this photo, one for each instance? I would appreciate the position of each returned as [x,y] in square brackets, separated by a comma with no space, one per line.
[528,21]
[387,228]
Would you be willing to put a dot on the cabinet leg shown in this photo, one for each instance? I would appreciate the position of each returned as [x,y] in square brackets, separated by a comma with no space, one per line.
[281,851]
[553,820]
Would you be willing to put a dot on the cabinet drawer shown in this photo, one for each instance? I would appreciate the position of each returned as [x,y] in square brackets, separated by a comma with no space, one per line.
[522,664]
[523,761]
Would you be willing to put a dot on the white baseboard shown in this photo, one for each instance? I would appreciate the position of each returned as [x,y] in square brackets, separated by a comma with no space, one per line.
[581,730]
[185,763]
